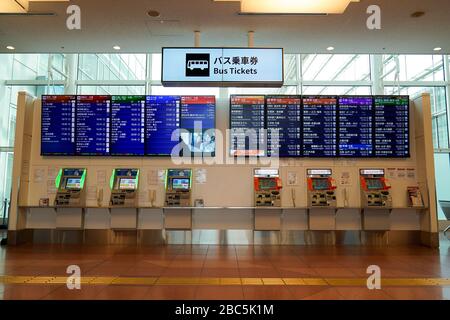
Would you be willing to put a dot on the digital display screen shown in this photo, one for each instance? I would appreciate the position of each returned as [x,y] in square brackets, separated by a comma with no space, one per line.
[197,120]
[162,121]
[320,184]
[180,183]
[58,125]
[92,125]
[283,126]
[127,125]
[355,118]
[319,126]
[127,184]
[267,184]
[391,126]
[247,123]
[374,184]
[73,183]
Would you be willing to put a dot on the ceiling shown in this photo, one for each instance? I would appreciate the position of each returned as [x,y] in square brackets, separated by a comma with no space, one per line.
[106,23]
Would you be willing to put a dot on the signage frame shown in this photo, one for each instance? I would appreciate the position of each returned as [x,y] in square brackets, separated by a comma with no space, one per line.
[225,84]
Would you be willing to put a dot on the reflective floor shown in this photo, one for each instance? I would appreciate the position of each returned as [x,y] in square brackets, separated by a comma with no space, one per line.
[224,272]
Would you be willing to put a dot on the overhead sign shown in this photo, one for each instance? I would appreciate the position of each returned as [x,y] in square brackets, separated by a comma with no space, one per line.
[226,67]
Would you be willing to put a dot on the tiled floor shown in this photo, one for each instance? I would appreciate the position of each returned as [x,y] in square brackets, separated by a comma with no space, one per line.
[224,272]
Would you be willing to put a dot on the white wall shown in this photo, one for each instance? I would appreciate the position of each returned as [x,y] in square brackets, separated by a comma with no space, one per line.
[227,185]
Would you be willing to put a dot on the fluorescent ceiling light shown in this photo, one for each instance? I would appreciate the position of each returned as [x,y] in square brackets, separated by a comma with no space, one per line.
[330,48]
[437,49]
[116,47]
[10,48]
[293,6]
[20,6]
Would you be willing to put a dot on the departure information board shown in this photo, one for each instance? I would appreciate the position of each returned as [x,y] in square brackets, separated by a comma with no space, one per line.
[283,129]
[162,122]
[247,124]
[127,125]
[58,125]
[198,120]
[391,126]
[92,125]
[355,121]
[277,126]
[319,126]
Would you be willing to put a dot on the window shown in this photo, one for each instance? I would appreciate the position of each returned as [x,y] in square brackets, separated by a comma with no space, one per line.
[335,67]
[336,90]
[438,109]
[413,68]
[112,66]
[111,90]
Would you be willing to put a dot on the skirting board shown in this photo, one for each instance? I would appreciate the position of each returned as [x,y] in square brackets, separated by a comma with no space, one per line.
[223,237]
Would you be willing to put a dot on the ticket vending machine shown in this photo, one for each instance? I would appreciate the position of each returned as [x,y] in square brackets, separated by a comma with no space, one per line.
[124,187]
[178,187]
[375,189]
[267,188]
[70,184]
[321,188]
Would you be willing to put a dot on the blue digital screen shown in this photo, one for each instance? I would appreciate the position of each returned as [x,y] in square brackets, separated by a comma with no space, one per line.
[93,125]
[127,125]
[247,124]
[319,126]
[197,120]
[355,118]
[284,116]
[58,125]
[162,121]
[391,126]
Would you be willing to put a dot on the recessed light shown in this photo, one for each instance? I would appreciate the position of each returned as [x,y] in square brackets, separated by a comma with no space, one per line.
[116,47]
[153,13]
[417,14]
[437,49]
[330,48]
[10,48]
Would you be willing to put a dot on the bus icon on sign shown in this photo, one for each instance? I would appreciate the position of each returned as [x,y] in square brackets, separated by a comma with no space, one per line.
[197,64]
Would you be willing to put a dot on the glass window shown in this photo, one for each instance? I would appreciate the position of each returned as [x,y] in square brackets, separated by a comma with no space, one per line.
[156,66]
[112,90]
[290,68]
[438,109]
[413,67]
[336,90]
[112,66]
[251,91]
[338,67]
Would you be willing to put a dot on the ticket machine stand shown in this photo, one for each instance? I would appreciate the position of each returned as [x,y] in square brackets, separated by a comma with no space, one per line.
[70,184]
[376,200]
[267,188]
[321,188]
[178,211]
[124,185]
[267,201]
[70,200]
[123,203]
[375,189]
